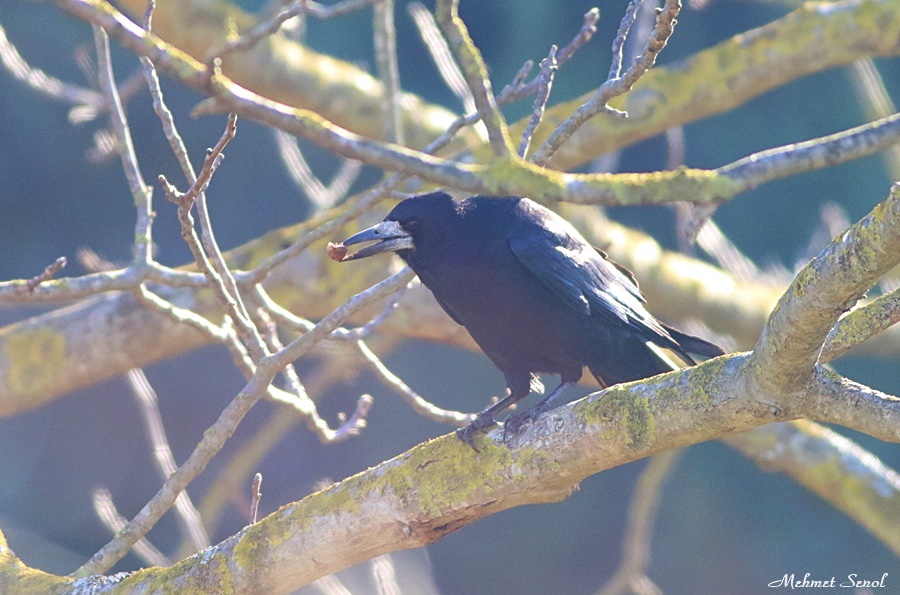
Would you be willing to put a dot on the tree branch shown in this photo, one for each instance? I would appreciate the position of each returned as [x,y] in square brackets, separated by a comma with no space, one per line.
[829,285]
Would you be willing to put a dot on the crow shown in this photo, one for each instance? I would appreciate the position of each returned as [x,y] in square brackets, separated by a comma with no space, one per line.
[533,294]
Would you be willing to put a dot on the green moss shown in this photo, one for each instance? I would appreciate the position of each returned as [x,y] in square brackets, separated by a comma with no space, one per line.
[509,176]
[443,473]
[627,409]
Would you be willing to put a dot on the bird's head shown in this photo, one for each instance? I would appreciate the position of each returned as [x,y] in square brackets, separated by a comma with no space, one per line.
[411,224]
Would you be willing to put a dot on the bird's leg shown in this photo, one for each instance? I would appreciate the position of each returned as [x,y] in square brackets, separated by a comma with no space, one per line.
[516,391]
[484,420]
[516,420]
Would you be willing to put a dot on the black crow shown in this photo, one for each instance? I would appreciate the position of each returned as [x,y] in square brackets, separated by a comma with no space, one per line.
[532,292]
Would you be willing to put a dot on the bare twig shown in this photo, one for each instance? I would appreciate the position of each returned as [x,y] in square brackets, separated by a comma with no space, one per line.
[255,495]
[188,517]
[269,26]
[42,82]
[618,44]
[319,194]
[872,93]
[349,427]
[475,72]
[49,271]
[386,62]
[518,89]
[825,151]
[324,327]
[141,193]
[549,67]
[419,404]
[226,291]
[440,54]
[615,85]
[631,575]
[106,511]
[354,337]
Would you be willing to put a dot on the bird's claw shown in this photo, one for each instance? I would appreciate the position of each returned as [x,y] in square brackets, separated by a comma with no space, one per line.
[515,421]
[481,422]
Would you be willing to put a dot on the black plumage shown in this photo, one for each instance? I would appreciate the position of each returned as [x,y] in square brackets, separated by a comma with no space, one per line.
[531,291]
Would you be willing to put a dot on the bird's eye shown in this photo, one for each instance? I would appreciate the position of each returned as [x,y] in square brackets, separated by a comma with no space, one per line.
[410,224]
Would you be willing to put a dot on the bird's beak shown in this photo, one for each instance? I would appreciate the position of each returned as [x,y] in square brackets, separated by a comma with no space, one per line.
[392,238]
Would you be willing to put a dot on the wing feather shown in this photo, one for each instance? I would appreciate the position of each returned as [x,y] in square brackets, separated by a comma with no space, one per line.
[584,279]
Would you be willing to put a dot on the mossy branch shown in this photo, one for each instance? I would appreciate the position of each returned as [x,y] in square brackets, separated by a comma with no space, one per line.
[442,485]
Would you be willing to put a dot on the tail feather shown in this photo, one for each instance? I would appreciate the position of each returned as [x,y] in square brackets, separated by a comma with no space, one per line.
[666,361]
[692,344]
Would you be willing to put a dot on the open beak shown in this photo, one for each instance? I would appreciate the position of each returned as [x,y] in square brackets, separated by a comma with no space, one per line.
[392,238]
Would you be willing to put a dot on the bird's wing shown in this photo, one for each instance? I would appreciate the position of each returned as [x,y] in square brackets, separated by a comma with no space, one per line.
[584,279]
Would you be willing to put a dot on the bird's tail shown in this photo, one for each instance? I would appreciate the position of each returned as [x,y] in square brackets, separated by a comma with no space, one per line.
[634,360]
[692,344]
[663,358]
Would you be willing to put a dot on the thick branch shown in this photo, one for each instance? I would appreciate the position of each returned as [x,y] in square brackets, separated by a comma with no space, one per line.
[829,285]
[836,469]
[813,38]
[407,501]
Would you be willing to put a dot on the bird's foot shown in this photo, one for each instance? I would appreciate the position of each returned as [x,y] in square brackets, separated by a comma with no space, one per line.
[515,421]
[481,422]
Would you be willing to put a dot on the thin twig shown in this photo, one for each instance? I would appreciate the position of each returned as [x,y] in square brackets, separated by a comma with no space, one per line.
[324,327]
[45,84]
[440,54]
[271,25]
[155,303]
[263,321]
[549,67]
[322,196]
[213,254]
[303,404]
[49,271]
[188,517]
[109,515]
[631,575]
[162,111]
[185,200]
[140,192]
[386,66]
[475,72]
[255,496]
[618,44]
[518,90]
[420,405]
[615,85]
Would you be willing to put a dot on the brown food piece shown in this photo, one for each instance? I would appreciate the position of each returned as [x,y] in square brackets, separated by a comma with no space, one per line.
[336,251]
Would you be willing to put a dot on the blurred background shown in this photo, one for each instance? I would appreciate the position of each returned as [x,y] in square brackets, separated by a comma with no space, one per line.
[724,525]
